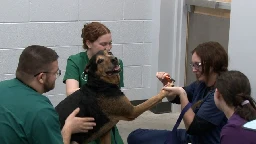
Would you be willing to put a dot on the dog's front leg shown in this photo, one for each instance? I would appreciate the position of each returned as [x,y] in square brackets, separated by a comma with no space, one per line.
[106,139]
[129,112]
[148,104]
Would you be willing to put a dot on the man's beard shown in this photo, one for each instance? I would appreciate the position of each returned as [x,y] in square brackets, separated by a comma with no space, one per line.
[48,86]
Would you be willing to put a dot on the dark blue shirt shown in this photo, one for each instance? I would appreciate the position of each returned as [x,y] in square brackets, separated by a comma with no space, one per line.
[207,111]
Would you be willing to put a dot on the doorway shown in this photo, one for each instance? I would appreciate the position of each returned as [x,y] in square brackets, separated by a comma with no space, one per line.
[203,28]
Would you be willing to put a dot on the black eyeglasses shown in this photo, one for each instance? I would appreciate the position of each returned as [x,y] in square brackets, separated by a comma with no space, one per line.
[57,74]
[196,65]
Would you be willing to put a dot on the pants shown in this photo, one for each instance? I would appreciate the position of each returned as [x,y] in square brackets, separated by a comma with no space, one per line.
[146,136]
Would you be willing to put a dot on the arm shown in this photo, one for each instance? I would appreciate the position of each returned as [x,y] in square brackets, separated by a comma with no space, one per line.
[174,98]
[199,126]
[46,128]
[75,124]
[165,79]
[66,134]
[209,112]
[72,85]
[189,115]
[71,77]
[208,116]
[189,92]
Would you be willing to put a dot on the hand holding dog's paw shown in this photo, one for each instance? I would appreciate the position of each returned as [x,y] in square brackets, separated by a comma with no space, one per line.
[78,124]
[169,84]
[163,93]
[173,91]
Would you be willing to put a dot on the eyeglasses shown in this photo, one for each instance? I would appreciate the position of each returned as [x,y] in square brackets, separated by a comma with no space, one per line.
[57,74]
[196,65]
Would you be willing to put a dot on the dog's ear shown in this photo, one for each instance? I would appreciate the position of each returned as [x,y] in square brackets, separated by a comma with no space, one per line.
[91,66]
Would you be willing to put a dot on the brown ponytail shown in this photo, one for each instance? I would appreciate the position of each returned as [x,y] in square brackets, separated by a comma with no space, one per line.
[235,89]
[248,110]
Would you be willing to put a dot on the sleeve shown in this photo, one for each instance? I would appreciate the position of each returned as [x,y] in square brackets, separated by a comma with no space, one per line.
[121,73]
[209,112]
[72,71]
[46,128]
[190,90]
[176,100]
[199,126]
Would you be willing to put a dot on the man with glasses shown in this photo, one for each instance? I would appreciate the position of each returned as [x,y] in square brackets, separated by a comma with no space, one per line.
[28,117]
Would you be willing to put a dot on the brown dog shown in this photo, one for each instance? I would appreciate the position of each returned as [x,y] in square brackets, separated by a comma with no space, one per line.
[102,99]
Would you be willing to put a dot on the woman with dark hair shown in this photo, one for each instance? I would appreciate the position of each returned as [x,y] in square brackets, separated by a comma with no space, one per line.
[233,97]
[203,121]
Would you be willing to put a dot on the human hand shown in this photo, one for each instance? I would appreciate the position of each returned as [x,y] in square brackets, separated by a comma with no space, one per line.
[174,90]
[163,94]
[78,124]
[165,78]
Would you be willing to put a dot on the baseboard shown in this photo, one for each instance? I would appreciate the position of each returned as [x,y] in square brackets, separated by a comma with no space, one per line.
[163,107]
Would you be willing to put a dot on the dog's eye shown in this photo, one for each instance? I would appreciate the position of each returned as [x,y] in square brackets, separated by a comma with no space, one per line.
[110,53]
[100,61]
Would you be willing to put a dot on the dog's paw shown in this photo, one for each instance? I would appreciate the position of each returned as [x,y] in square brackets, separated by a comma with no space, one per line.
[163,93]
[170,84]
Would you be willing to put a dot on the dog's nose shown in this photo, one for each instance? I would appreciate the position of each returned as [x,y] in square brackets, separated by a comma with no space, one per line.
[114,60]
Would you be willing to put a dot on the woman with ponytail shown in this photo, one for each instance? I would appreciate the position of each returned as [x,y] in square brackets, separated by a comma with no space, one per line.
[233,97]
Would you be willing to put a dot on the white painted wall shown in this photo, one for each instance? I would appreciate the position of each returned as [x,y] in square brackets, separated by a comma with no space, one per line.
[169,42]
[148,35]
[57,24]
[242,36]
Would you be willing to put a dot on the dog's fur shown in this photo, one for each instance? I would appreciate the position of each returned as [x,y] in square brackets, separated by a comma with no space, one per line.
[102,99]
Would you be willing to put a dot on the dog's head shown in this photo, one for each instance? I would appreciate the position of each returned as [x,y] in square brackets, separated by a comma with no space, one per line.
[104,65]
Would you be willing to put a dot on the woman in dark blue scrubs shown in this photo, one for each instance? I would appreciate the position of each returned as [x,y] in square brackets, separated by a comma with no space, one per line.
[203,121]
